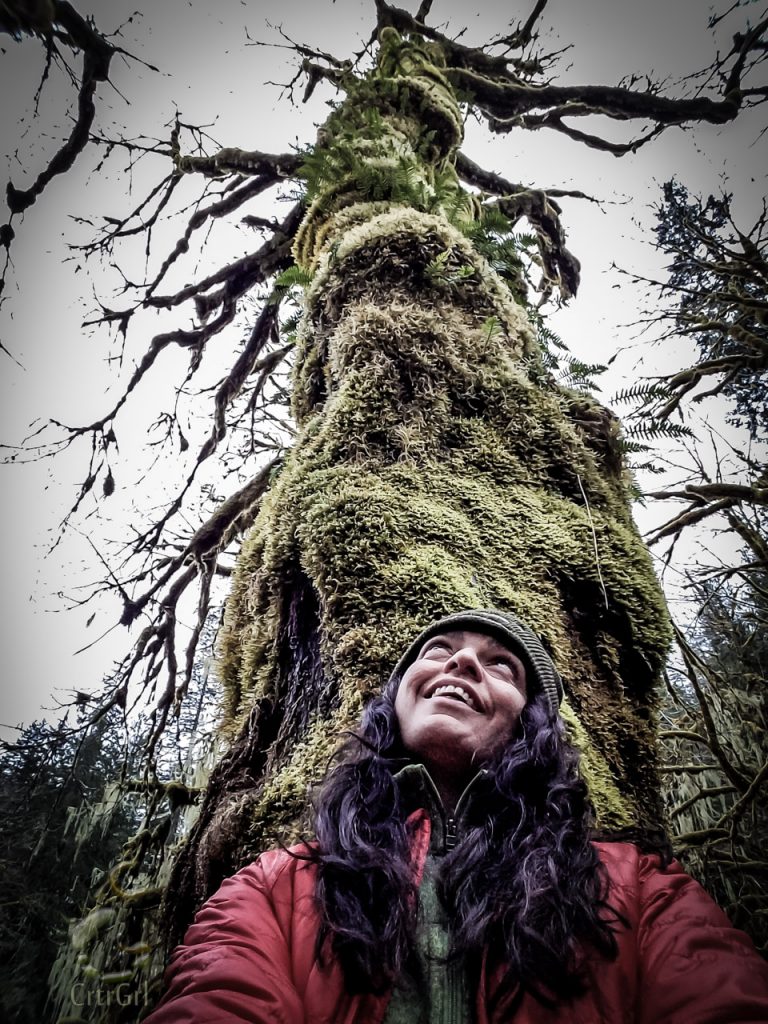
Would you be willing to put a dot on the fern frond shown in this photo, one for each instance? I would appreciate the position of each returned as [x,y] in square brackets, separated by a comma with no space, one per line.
[653,430]
[290,325]
[646,467]
[294,276]
[628,447]
[643,392]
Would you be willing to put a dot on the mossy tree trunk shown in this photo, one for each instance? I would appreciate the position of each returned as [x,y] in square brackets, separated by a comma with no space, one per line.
[438,466]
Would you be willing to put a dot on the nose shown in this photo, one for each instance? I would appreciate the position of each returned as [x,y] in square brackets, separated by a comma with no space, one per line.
[465,661]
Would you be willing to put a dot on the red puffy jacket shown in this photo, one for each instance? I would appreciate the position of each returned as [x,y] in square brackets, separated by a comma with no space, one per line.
[249,956]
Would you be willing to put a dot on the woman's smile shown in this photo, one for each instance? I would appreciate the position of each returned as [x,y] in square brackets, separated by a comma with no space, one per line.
[459,701]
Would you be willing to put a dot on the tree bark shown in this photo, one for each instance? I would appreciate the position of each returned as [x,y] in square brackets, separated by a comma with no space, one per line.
[437,467]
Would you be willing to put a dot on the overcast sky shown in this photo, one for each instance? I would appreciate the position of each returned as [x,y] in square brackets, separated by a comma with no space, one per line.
[211,73]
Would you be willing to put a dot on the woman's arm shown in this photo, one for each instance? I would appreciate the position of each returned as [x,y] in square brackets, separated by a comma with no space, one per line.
[695,968]
[234,966]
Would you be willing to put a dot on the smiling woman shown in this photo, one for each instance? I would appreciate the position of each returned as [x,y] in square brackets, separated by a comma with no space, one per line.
[456,880]
[458,702]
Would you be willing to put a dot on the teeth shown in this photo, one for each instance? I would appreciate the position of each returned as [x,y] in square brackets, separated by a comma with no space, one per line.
[459,691]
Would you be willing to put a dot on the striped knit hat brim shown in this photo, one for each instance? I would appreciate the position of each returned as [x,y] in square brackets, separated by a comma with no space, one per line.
[541,674]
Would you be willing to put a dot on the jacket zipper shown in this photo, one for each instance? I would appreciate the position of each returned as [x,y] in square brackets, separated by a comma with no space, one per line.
[451,833]
[451,836]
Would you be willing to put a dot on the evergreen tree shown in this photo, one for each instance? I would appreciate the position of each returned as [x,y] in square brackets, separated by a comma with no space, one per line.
[716,293]
[50,779]
[716,748]
[717,289]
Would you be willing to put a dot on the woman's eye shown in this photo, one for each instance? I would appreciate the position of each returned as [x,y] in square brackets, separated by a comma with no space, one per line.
[503,665]
[436,646]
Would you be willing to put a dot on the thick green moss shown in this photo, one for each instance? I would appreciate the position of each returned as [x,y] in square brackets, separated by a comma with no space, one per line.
[416,488]
[437,468]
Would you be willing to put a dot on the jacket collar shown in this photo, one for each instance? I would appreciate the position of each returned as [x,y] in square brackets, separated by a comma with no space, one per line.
[418,791]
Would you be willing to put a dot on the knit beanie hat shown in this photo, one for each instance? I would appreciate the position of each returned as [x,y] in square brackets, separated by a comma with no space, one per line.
[522,641]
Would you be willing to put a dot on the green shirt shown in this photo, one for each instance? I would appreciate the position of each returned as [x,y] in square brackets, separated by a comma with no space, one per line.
[443,996]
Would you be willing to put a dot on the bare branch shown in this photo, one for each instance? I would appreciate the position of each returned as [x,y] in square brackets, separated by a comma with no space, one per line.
[704,493]
[695,664]
[241,275]
[97,55]
[703,794]
[694,514]
[240,161]
[506,103]
[738,809]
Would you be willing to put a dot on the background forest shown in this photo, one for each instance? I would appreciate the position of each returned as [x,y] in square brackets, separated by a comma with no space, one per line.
[201,225]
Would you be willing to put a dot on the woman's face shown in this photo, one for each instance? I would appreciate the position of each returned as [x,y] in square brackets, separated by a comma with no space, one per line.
[460,701]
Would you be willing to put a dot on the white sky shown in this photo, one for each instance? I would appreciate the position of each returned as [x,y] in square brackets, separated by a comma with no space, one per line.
[215,78]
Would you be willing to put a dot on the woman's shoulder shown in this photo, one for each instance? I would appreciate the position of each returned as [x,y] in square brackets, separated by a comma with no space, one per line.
[688,953]
[623,855]
[638,878]
[656,887]
[274,868]
[636,852]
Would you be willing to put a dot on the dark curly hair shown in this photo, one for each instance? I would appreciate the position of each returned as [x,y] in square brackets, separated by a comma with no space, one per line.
[524,883]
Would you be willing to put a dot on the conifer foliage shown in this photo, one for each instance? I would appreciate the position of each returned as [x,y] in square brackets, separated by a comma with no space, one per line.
[51,778]
[714,726]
